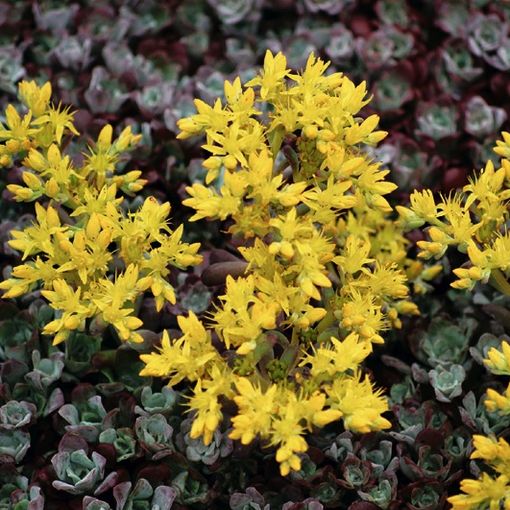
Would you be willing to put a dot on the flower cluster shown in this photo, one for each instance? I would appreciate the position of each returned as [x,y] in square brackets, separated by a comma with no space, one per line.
[91,257]
[324,266]
[473,220]
[490,490]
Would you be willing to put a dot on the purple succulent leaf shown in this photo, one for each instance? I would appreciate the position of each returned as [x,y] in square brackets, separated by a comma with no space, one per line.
[150,17]
[376,51]
[410,469]
[420,375]
[363,505]
[182,107]
[397,364]
[161,402]
[71,442]
[408,435]
[90,503]
[108,483]
[54,19]
[382,494]
[142,489]
[239,52]
[54,402]
[307,504]
[164,497]
[70,414]
[121,493]
[12,371]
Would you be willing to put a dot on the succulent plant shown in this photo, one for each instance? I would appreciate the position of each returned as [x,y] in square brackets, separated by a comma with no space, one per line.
[331,7]
[444,342]
[437,121]
[475,416]
[381,495]
[79,351]
[21,498]
[340,447]
[161,402]
[232,12]
[14,414]
[105,93]
[85,415]
[45,370]
[142,496]
[155,435]
[426,496]
[189,489]
[73,52]
[447,381]
[14,443]
[393,91]
[15,334]
[123,441]
[480,119]
[250,499]
[11,68]
[77,470]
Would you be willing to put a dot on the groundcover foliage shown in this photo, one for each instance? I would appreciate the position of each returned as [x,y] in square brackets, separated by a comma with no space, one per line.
[254,254]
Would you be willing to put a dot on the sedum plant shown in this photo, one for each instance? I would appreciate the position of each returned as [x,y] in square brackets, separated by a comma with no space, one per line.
[324,270]
[91,258]
[474,220]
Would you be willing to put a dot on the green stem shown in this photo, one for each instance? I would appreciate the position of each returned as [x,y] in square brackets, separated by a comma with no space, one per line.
[499,282]
[327,321]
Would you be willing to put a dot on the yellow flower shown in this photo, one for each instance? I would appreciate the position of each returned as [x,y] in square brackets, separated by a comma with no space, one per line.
[497,402]
[208,412]
[423,205]
[35,98]
[360,405]
[270,79]
[498,361]
[339,357]
[59,119]
[256,409]
[18,129]
[487,492]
